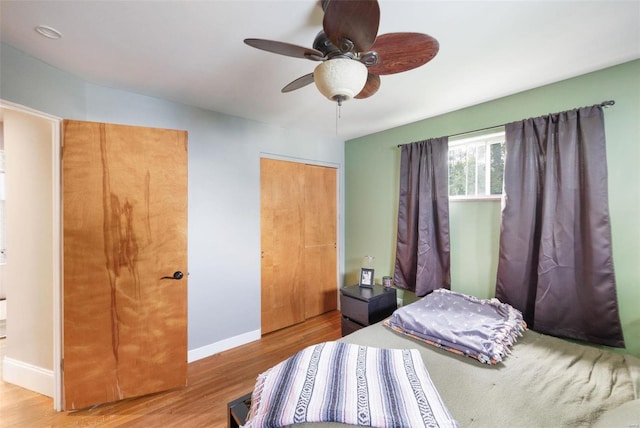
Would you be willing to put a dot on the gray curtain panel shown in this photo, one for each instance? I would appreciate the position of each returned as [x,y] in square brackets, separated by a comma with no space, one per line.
[555,261]
[422,252]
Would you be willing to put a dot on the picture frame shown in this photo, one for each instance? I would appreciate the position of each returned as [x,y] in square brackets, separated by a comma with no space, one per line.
[366,278]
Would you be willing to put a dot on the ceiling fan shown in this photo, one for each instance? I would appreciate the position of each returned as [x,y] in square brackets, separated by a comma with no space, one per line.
[352,55]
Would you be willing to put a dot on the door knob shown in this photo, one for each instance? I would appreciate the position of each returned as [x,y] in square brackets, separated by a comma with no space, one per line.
[177,275]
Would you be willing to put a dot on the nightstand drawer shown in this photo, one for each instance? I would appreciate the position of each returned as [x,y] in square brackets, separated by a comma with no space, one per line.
[354,309]
[349,326]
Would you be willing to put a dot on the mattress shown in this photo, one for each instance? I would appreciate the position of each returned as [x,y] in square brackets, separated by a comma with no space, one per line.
[544,382]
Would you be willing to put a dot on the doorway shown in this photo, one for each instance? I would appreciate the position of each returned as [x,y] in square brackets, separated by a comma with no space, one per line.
[32,146]
[3,244]
[3,247]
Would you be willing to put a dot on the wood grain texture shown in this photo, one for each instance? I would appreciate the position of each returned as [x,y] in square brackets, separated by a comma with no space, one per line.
[298,239]
[212,383]
[124,228]
[400,52]
[355,20]
[282,243]
[320,237]
[321,280]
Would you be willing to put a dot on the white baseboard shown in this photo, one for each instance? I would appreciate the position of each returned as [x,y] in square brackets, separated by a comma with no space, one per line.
[223,345]
[28,376]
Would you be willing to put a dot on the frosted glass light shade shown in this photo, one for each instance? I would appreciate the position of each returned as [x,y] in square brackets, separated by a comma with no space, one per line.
[340,78]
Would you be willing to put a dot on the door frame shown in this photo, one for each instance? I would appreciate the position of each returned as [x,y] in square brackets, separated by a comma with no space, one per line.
[57,284]
[339,208]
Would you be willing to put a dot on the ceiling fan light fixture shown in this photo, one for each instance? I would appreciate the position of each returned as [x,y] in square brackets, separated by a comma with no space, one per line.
[340,79]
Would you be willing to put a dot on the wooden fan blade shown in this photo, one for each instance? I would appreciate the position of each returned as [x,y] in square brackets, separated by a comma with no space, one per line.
[299,83]
[351,20]
[398,52]
[287,49]
[370,88]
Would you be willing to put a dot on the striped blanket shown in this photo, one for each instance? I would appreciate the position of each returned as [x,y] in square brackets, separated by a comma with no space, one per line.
[351,384]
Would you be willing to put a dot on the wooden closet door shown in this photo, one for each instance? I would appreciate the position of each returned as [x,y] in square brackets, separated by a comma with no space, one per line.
[298,238]
[124,233]
[282,242]
[320,234]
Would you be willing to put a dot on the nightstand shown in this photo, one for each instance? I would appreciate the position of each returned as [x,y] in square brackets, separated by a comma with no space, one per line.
[239,411]
[361,306]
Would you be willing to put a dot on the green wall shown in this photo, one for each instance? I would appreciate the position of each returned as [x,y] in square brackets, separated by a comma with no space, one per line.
[372,169]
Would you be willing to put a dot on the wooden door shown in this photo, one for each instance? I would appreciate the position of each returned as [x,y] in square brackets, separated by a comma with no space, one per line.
[282,242]
[320,235]
[124,231]
[298,239]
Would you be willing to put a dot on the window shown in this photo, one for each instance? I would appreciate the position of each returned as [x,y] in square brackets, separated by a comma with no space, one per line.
[476,167]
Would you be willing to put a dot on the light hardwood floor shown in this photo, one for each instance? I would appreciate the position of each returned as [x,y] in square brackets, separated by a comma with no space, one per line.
[213,382]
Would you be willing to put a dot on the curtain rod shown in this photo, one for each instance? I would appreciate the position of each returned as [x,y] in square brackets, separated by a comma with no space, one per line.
[602,104]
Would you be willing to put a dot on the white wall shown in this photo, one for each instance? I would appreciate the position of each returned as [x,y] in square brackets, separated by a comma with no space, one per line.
[3,293]
[30,236]
[224,185]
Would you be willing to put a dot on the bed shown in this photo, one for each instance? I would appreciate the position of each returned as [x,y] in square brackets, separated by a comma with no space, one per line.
[542,381]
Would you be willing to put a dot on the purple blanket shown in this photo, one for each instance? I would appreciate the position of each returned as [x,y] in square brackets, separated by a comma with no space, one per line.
[477,328]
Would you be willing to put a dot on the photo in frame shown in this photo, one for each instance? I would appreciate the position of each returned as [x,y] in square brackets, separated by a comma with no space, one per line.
[366,277]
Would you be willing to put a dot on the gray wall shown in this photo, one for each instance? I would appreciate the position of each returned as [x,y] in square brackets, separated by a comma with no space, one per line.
[224,182]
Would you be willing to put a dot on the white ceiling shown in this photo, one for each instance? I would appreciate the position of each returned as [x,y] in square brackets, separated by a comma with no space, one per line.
[193,52]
